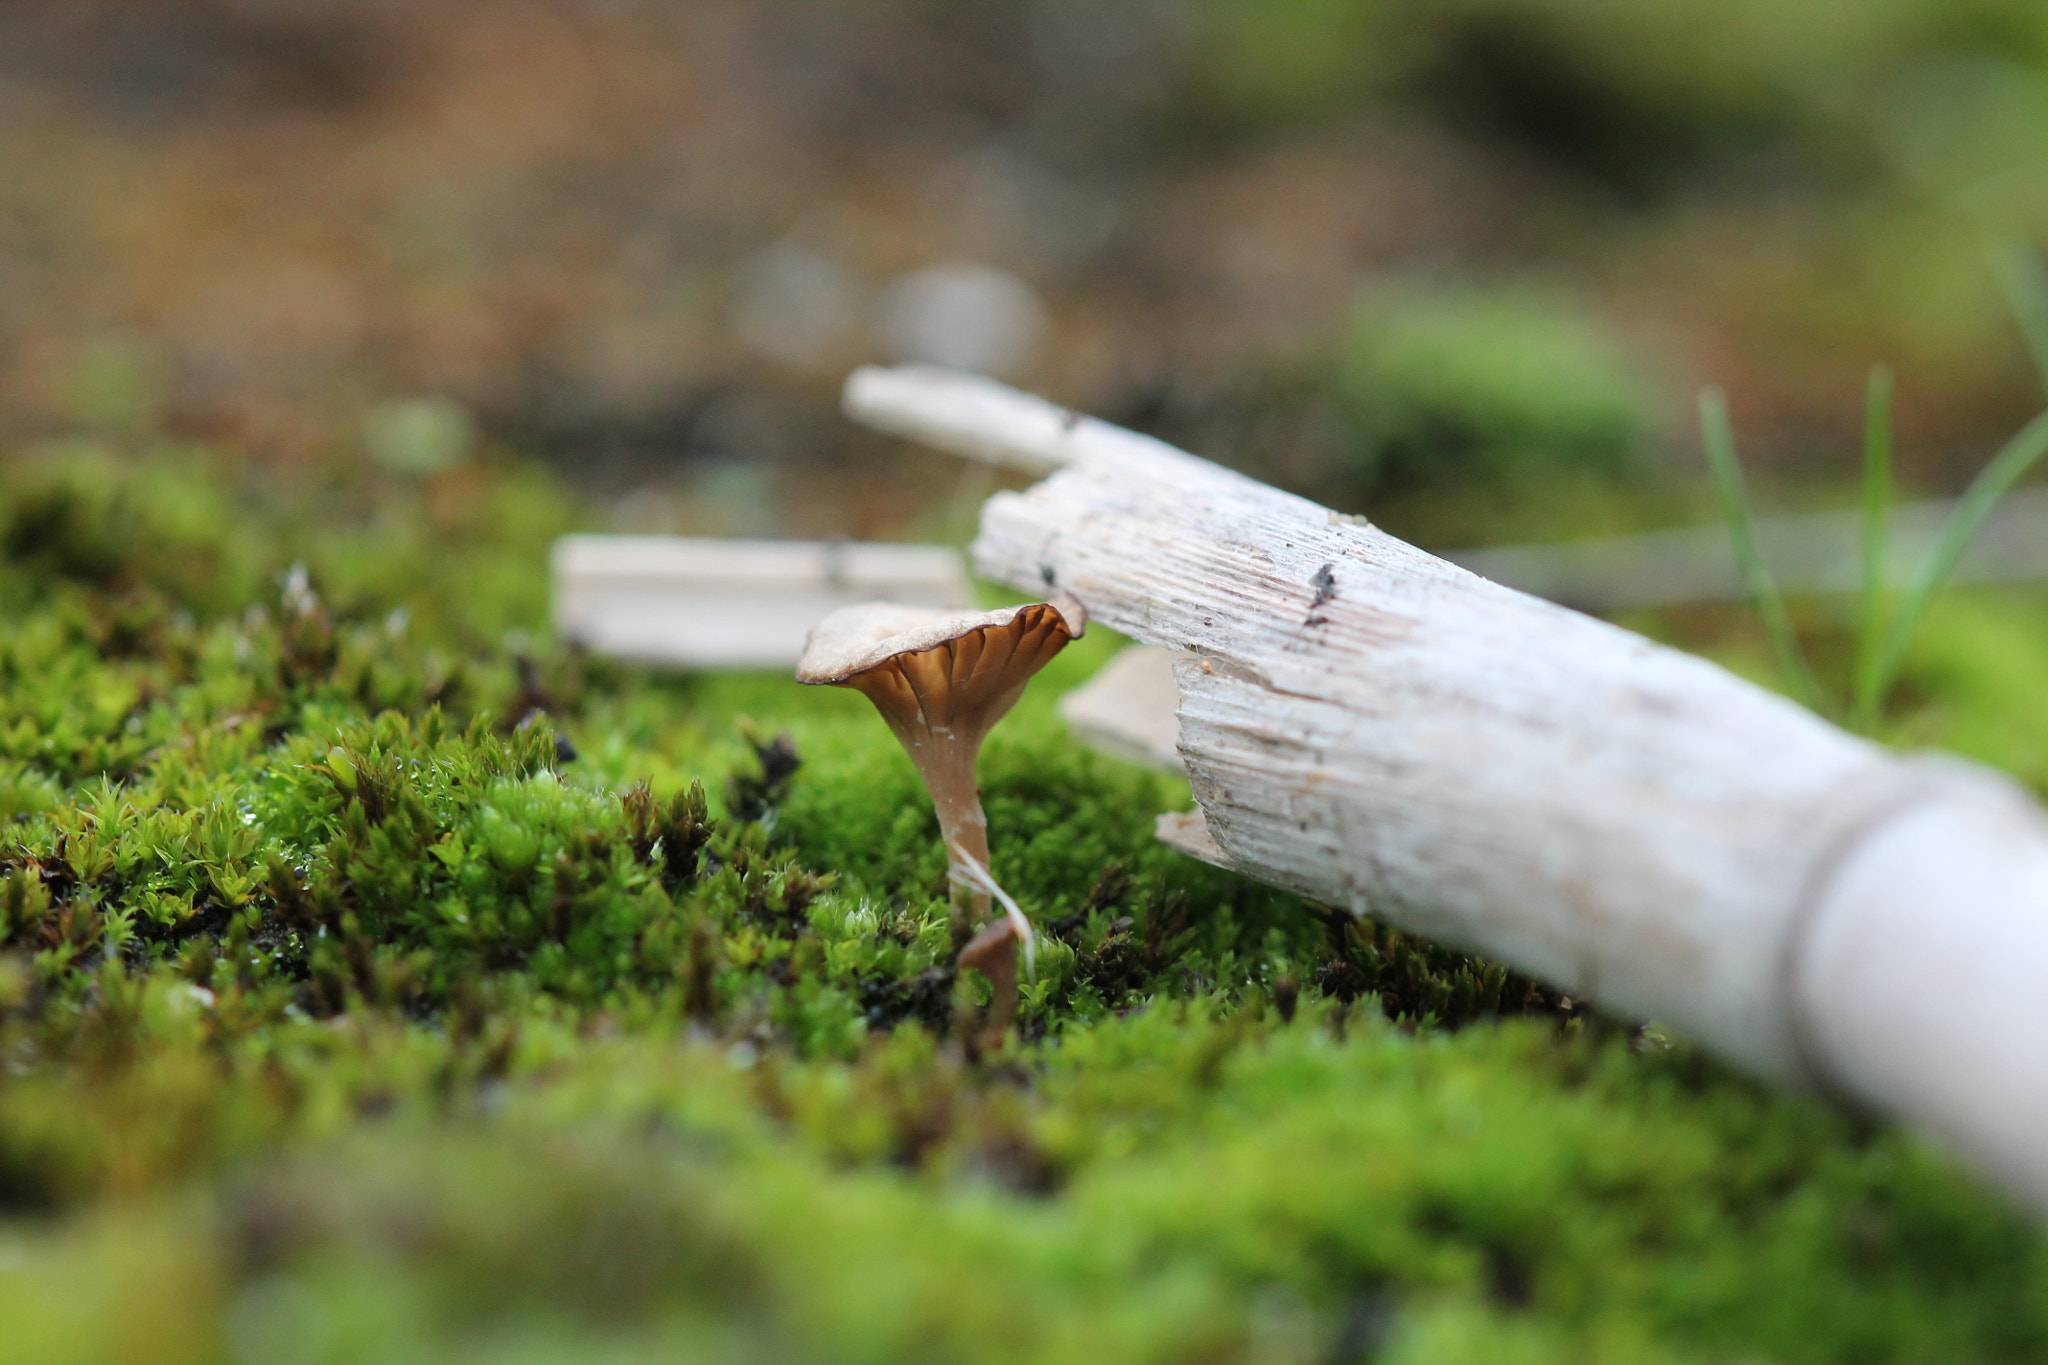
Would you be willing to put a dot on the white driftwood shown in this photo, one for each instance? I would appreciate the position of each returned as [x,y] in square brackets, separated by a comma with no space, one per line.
[708,603]
[1378,729]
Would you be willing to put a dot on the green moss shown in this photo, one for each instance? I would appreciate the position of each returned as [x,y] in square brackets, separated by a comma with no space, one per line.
[347,1016]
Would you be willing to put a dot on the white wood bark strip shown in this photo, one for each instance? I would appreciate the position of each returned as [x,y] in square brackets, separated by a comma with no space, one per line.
[980,419]
[702,602]
[1378,729]
[1187,832]
[1127,709]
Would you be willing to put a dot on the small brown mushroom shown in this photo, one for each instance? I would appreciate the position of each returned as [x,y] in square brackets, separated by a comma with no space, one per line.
[993,953]
[941,680]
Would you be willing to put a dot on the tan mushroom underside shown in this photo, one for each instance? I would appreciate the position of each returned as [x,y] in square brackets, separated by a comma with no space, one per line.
[853,640]
[941,679]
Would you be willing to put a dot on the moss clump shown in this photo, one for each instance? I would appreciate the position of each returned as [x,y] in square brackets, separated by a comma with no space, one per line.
[1452,385]
[377,984]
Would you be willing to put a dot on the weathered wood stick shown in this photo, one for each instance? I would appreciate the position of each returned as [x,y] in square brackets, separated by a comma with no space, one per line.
[1378,729]
[712,603]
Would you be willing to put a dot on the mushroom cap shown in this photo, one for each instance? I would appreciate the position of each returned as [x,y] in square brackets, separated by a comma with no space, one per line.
[940,668]
[855,639]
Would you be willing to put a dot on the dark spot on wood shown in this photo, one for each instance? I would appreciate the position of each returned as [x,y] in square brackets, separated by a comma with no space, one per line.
[1047,576]
[1325,584]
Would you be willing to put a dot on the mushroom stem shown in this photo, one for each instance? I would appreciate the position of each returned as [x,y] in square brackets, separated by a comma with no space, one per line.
[946,762]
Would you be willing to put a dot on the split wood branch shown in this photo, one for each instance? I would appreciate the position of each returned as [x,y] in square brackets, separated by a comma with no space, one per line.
[713,603]
[1378,729]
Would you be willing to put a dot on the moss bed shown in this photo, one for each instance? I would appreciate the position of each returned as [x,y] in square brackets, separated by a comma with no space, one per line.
[381,982]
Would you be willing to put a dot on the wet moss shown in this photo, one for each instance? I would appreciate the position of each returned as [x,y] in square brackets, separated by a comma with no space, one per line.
[378,981]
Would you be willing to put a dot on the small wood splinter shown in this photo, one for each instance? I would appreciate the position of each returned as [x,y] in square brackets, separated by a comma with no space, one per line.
[942,680]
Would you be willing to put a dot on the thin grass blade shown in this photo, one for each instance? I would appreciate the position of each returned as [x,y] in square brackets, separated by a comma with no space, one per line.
[1719,439]
[2025,281]
[968,871]
[1878,495]
[1992,483]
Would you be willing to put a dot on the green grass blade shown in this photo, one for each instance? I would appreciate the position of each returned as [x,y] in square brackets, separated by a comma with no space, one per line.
[1992,483]
[1877,505]
[1719,439]
[2025,282]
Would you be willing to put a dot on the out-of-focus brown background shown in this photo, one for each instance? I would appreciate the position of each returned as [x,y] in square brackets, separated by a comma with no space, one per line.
[1464,264]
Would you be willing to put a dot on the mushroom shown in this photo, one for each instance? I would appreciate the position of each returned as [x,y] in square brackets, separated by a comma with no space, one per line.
[993,953]
[941,680]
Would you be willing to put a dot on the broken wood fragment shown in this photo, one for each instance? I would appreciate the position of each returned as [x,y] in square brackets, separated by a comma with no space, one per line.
[701,602]
[1127,709]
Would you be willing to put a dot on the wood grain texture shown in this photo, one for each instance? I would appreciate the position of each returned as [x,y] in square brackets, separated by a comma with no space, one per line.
[1378,729]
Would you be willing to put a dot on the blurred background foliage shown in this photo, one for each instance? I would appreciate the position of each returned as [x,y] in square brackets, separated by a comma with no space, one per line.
[1382,251]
